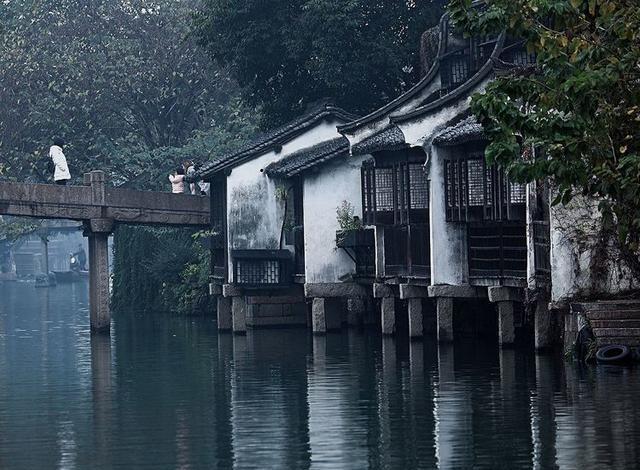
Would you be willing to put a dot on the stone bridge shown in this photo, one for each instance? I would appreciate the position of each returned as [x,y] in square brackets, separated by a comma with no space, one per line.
[99,207]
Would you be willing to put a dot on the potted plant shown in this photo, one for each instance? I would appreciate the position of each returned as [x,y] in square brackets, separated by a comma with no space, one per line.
[351,233]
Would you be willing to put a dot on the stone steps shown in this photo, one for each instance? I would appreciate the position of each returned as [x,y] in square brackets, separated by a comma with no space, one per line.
[631,314]
[613,322]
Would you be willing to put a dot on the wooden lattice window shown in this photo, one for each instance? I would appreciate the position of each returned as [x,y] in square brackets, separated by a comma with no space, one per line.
[394,192]
[475,191]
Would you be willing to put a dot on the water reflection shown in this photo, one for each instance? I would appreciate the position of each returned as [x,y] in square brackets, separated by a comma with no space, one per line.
[168,392]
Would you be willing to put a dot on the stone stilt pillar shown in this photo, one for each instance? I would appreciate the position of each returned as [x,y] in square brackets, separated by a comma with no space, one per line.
[355,311]
[388,311]
[542,324]
[415,318]
[318,316]
[326,315]
[99,275]
[239,315]
[445,319]
[506,329]
[225,318]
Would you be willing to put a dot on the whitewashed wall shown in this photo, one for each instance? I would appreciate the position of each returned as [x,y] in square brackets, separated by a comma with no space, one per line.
[449,263]
[323,193]
[578,267]
[254,214]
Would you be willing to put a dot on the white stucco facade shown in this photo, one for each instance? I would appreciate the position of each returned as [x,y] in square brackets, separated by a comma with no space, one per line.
[449,264]
[324,191]
[585,261]
[254,212]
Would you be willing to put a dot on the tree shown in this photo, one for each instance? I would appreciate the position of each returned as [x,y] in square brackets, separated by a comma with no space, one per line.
[289,53]
[117,79]
[580,102]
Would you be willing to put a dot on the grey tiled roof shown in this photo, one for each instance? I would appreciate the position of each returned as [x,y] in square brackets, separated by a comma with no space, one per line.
[389,138]
[467,130]
[307,158]
[275,137]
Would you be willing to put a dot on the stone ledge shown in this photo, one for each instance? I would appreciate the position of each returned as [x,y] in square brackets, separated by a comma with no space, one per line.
[383,291]
[335,290]
[505,294]
[230,290]
[464,292]
[410,291]
[275,300]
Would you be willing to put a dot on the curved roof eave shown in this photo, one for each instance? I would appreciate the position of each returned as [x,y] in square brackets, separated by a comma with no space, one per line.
[455,94]
[273,139]
[412,92]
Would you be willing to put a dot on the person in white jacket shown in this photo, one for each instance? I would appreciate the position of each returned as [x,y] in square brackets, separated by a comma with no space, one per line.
[61,172]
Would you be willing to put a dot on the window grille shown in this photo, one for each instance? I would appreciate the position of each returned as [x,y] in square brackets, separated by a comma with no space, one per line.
[459,69]
[384,189]
[394,193]
[476,182]
[418,187]
[261,268]
[256,272]
[518,193]
[476,191]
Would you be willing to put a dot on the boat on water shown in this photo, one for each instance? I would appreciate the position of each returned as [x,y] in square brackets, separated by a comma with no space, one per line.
[76,272]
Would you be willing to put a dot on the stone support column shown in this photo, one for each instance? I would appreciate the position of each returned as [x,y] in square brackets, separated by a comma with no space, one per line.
[225,318]
[388,311]
[239,315]
[444,314]
[98,232]
[506,328]
[542,323]
[414,294]
[326,315]
[505,297]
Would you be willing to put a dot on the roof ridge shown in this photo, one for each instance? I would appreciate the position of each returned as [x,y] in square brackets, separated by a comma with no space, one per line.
[275,137]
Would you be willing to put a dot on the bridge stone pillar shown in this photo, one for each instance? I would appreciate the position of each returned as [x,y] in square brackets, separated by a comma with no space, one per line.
[98,231]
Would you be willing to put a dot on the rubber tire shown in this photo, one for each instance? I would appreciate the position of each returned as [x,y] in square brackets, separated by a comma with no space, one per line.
[607,354]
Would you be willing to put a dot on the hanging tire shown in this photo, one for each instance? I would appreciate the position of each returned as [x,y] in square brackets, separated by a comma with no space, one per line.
[613,354]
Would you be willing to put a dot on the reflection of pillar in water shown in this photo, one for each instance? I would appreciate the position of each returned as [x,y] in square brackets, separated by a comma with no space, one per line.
[336,431]
[543,431]
[45,254]
[453,415]
[222,399]
[507,370]
[416,360]
[101,381]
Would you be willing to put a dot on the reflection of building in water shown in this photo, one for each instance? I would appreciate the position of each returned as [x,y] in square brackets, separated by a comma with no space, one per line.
[338,432]
[268,401]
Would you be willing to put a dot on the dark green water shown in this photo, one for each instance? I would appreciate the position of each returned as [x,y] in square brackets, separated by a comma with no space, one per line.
[170,393]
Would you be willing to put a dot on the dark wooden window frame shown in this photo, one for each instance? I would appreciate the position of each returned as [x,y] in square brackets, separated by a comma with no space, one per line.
[395,197]
[475,191]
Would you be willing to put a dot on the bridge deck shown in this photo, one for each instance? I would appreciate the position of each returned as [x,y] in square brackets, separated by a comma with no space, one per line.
[98,201]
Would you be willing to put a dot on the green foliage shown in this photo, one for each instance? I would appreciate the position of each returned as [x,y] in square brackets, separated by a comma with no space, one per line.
[132,94]
[120,81]
[289,53]
[346,218]
[580,103]
[160,270]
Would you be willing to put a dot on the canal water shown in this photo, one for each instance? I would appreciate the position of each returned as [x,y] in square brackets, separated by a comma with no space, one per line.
[171,393]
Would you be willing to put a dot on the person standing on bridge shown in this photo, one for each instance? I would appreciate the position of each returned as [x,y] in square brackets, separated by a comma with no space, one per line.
[177,181]
[61,170]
